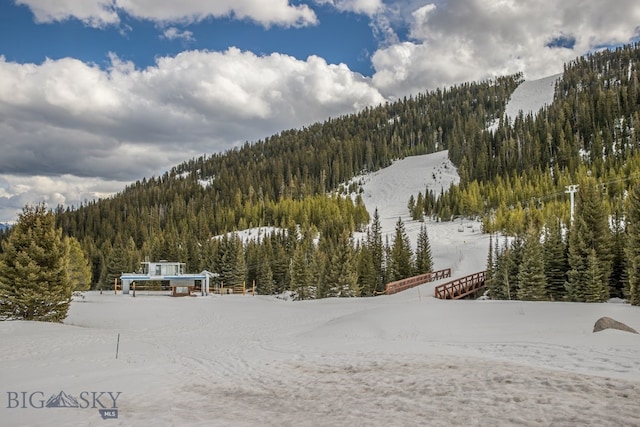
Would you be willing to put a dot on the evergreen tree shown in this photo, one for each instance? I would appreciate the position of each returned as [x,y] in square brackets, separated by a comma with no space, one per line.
[498,284]
[532,281]
[234,267]
[264,281]
[618,277]
[300,276]
[280,267]
[424,260]
[514,261]
[596,289]
[366,272]
[401,254]
[34,276]
[240,266]
[491,265]
[374,242]
[79,270]
[578,253]
[317,273]
[264,277]
[117,263]
[555,261]
[590,230]
[342,276]
[632,249]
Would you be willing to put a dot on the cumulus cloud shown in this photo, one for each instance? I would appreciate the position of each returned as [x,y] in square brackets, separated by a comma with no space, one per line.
[94,13]
[105,12]
[68,118]
[365,7]
[173,33]
[68,126]
[66,190]
[465,40]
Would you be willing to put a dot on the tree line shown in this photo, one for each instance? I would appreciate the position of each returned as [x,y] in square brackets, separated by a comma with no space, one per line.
[512,177]
[294,177]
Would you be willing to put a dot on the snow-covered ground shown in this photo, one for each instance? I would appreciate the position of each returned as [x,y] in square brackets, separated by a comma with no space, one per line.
[405,359]
[529,97]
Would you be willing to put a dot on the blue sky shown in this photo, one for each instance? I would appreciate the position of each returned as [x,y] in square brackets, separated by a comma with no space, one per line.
[96,94]
[340,37]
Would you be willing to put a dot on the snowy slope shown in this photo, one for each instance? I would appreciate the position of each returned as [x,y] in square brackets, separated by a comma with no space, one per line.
[405,359]
[531,95]
[389,190]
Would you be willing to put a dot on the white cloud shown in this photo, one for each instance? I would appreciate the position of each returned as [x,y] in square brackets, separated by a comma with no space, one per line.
[94,13]
[465,40]
[365,7]
[72,122]
[105,12]
[67,190]
[173,33]
[67,118]
[267,13]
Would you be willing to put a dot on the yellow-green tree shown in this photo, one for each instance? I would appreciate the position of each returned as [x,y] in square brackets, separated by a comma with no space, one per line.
[78,267]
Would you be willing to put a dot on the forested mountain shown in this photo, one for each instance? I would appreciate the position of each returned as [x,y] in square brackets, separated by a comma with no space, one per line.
[513,177]
[287,180]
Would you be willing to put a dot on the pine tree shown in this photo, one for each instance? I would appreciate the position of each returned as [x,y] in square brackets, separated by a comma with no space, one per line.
[231,262]
[117,263]
[532,281]
[374,242]
[401,254]
[491,265]
[366,272]
[264,276]
[300,277]
[514,261]
[596,289]
[590,230]
[632,249]
[555,261]
[424,260]
[317,273]
[618,276]
[498,284]
[79,269]
[342,277]
[34,277]
[237,273]
[576,275]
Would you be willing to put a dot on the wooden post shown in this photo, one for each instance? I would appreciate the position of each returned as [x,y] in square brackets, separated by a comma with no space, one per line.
[115,286]
[118,346]
[134,289]
[243,288]
[221,288]
[253,288]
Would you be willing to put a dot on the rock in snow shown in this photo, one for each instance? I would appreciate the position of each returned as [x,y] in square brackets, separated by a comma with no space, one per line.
[608,323]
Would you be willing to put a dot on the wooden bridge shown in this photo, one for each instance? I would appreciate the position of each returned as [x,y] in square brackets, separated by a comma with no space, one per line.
[462,287]
[410,282]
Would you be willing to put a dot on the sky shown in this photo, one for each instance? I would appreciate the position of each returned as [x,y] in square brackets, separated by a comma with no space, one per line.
[97,94]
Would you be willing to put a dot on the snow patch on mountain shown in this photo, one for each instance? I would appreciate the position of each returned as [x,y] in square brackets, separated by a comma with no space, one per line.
[529,97]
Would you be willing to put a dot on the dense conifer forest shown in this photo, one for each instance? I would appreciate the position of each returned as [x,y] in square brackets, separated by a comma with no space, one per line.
[513,177]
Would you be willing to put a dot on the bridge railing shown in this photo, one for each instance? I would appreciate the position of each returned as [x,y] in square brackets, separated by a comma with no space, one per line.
[410,282]
[462,287]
